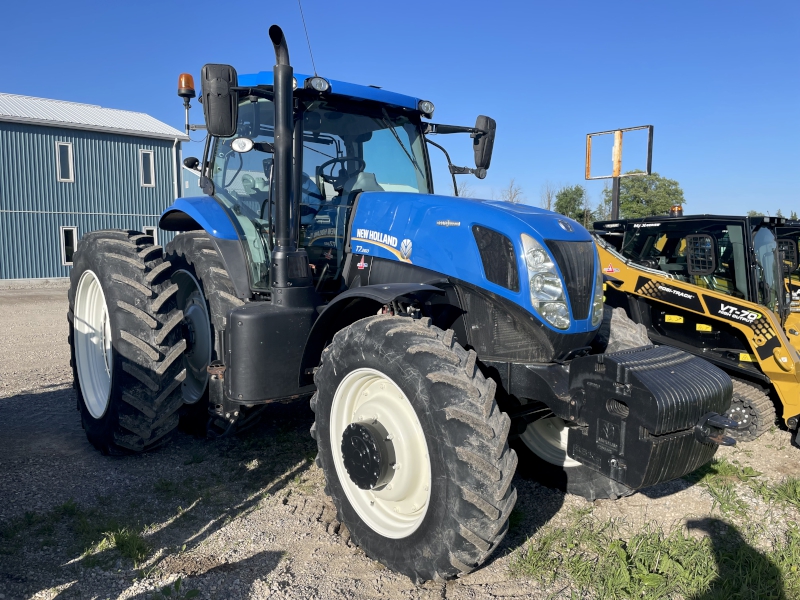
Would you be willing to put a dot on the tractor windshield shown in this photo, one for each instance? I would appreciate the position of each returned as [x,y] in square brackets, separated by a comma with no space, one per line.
[349,147]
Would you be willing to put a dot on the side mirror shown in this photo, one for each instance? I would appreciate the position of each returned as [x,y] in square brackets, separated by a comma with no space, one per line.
[701,254]
[483,143]
[192,163]
[220,103]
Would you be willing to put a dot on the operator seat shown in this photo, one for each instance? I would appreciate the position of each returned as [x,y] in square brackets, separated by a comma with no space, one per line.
[310,200]
[361,182]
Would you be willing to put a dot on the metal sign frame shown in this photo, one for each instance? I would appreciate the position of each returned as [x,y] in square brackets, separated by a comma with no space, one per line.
[616,152]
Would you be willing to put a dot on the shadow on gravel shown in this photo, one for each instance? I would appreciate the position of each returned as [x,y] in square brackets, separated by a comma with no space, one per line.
[232,580]
[162,504]
[742,571]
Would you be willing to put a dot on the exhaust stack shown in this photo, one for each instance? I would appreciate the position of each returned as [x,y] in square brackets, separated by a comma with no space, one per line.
[282,84]
[289,272]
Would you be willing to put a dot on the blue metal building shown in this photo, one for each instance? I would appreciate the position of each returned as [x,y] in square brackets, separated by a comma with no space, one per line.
[67,169]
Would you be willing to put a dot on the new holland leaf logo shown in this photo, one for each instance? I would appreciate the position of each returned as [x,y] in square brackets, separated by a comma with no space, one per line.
[405,248]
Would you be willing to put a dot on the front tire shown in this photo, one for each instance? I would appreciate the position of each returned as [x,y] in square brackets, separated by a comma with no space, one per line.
[417,398]
[124,334]
[542,448]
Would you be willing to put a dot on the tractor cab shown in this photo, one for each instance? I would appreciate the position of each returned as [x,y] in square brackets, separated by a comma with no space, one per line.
[733,256]
[348,146]
[344,139]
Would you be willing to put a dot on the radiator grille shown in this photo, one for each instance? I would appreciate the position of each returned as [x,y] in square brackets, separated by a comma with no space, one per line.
[576,261]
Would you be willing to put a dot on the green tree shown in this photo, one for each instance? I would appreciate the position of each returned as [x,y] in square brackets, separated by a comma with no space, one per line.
[793,216]
[572,201]
[754,213]
[646,195]
[779,214]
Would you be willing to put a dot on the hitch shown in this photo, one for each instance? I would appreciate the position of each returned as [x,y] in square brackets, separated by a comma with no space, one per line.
[711,429]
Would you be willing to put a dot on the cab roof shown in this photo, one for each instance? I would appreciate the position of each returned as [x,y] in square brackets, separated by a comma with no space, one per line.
[621,223]
[339,88]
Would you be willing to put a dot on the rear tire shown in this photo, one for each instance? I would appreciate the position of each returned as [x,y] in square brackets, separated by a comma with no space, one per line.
[425,391]
[206,295]
[542,450]
[750,405]
[125,341]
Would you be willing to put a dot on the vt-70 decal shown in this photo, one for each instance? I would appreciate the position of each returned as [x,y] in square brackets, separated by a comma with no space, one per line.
[757,321]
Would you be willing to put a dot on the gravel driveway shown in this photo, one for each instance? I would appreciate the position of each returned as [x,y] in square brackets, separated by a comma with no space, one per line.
[244,517]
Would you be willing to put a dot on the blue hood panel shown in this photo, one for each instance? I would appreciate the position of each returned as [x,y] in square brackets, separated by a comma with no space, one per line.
[435,232]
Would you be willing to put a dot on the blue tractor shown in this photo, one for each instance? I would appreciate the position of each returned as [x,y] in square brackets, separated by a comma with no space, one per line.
[427,331]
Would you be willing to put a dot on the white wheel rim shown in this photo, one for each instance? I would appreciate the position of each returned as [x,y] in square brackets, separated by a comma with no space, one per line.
[547,439]
[92,342]
[195,313]
[396,510]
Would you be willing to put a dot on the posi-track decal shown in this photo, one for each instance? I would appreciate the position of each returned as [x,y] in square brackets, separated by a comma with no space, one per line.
[658,290]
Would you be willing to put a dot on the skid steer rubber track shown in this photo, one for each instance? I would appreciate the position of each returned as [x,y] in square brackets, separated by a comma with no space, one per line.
[751,406]
[471,463]
[145,370]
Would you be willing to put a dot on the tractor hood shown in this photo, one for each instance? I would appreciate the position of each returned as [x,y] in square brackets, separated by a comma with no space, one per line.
[436,233]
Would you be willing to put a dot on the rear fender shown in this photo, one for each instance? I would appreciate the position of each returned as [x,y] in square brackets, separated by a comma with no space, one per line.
[349,307]
[205,213]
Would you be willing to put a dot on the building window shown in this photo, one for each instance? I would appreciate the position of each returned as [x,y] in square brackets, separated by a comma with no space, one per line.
[69,241]
[64,170]
[146,168]
[152,231]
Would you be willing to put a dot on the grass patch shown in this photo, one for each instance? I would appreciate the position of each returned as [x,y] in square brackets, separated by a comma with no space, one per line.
[176,590]
[719,478]
[786,492]
[597,561]
[94,533]
[130,544]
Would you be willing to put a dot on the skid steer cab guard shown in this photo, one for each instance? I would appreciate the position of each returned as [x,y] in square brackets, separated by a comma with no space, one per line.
[427,331]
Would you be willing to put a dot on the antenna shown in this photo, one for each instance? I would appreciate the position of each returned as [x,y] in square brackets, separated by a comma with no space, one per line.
[307,39]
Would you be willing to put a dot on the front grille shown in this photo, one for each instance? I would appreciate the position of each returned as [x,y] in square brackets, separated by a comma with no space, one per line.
[576,261]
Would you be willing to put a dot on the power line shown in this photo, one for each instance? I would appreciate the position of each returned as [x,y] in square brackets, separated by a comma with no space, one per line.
[307,38]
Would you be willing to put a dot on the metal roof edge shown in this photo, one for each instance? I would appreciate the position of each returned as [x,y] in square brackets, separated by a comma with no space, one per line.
[64,125]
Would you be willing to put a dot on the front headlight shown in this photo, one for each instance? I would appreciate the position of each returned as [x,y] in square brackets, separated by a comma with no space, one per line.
[547,289]
[597,302]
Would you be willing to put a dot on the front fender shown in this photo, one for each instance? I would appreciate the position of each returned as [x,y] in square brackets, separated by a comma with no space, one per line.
[347,308]
[202,212]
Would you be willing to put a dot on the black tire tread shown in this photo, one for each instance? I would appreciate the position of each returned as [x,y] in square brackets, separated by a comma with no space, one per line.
[135,281]
[483,465]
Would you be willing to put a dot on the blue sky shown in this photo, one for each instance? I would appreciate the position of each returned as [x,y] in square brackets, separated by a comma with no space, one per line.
[720,81]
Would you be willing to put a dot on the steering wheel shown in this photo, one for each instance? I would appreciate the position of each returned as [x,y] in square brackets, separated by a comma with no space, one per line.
[338,181]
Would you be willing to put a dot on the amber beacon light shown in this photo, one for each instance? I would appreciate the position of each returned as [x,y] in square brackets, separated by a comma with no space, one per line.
[186,86]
